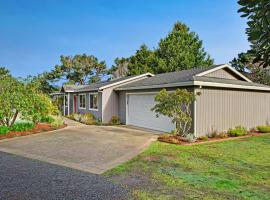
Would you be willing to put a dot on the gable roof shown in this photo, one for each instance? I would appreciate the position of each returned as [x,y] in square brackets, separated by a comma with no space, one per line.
[103,84]
[194,76]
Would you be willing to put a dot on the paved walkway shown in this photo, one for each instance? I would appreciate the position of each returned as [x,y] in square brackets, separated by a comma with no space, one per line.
[93,149]
[26,179]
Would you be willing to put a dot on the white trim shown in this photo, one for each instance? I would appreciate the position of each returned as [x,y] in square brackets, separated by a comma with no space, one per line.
[224,66]
[82,108]
[227,85]
[64,105]
[93,93]
[126,80]
[195,115]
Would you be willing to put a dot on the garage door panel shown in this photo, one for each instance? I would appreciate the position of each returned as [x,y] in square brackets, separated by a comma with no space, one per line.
[140,114]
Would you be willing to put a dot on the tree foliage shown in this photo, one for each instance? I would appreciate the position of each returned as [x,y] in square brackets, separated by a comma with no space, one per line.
[245,64]
[176,105]
[258,14]
[80,69]
[24,99]
[120,68]
[4,72]
[180,49]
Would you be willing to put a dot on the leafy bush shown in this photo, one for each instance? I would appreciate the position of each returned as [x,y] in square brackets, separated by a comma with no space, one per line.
[115,120]
[237,131]
[4,130]
[263,129]
[47,119]
[58,121]
[203,138]
[88,119]
[22,126]
[173,132]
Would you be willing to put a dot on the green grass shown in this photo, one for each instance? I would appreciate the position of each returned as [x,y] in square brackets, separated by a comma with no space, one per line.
[238,169]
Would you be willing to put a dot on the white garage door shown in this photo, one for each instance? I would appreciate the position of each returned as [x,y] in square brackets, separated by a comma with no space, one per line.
[139,113]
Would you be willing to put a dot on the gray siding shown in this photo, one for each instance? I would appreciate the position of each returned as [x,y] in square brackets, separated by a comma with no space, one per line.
[223,73]
[221,109]
[97,114]
[109,104]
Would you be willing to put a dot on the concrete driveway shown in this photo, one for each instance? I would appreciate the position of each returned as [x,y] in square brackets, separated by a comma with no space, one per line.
[92,149]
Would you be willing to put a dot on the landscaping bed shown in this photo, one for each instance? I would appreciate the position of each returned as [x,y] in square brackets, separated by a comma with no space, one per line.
[38,128]
[174,139]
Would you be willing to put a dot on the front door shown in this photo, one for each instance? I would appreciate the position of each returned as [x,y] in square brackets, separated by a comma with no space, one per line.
[74,104]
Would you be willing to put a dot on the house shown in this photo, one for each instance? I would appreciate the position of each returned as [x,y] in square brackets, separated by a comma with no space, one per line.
[227,99]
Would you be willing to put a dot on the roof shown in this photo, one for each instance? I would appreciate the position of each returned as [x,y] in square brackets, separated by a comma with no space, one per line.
[101,85]
[190,77]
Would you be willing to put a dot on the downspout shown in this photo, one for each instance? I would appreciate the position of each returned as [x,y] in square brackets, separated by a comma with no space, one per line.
[64,105]
[68,102]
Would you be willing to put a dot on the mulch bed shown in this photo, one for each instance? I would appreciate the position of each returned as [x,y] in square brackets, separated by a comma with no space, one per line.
[174,139]
[40,127]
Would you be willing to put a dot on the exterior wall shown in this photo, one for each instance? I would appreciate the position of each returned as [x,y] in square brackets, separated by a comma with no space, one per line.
[109,104]
[97,114]
[221,109]
[223,73]
[122,102]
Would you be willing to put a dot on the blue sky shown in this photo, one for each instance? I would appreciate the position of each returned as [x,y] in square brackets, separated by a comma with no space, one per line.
[34,33]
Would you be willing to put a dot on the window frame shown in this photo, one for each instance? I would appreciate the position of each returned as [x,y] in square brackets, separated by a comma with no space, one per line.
[80,101]
[93,93]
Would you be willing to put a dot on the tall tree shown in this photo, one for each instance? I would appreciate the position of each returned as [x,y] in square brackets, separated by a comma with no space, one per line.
[144,60]
[80,69]
[258,14]
[182,49]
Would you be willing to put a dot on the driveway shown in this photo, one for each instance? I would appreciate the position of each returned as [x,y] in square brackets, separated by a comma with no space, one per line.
[92,149]
[26,179]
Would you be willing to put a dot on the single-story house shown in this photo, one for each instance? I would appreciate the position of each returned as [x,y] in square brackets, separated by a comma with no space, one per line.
[228,98]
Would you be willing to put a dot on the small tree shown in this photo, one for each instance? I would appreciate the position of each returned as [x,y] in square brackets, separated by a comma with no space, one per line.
[176,105]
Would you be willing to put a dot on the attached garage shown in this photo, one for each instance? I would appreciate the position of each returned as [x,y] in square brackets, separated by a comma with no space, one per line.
[227,99]
[139,113]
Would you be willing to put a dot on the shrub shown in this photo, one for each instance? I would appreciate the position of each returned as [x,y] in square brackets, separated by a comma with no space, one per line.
[71,116]
[203,138]
[98,122]
[263,129]
[173,132]
[88,119]
[22,126]
[58,121]
[4,130]
[47,119]
[237,131]
[115,120]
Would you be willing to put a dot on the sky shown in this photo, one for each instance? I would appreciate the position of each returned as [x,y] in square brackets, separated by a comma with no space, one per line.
[34,33]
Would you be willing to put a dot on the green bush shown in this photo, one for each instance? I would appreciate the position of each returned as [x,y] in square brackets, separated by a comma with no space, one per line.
[88,118]
[58,121]
[22,126]
[263,129]
[203,138]
[115,120]
[77,117]
[47,119]
[4,130]
[237,131]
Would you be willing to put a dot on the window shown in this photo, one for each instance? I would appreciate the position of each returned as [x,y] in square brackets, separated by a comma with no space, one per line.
[82,101]
[93,101]
[66,100]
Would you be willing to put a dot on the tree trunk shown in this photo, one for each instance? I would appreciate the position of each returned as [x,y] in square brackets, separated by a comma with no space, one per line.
[14,118]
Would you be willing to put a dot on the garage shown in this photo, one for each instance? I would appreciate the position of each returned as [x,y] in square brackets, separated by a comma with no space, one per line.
[139,113]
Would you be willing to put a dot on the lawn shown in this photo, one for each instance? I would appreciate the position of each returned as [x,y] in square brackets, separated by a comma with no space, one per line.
[238,169]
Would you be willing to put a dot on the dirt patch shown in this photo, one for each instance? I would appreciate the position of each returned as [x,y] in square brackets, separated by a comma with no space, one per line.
[40,127]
